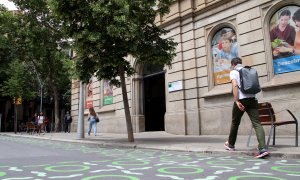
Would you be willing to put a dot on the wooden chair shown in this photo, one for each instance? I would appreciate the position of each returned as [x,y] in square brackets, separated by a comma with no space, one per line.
[268,118]
[22,128]
[31,127]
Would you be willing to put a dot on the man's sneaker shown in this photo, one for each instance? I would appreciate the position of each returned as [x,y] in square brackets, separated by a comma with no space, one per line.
[262,154]
[228,146]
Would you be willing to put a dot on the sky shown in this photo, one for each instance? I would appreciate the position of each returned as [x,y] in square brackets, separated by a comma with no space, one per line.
[8,4]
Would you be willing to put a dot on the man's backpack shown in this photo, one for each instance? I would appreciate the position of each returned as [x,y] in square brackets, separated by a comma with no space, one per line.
[68,118]
[249,80]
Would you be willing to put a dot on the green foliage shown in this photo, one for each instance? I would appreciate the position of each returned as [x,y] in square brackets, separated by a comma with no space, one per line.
[15,78]
[20,82]
[39,36]
[105,32]
[8,29]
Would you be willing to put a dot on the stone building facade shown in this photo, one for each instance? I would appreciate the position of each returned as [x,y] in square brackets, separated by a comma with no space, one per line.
[193,97]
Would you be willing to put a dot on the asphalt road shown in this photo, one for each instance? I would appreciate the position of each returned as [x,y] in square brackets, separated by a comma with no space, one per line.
[25,158]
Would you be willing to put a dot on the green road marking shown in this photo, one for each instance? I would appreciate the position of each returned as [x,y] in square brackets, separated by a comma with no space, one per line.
[181,158]
[100,161]
[227,163]
[128,163]
[103,176]
[68,162]
[53,168]
[41,165]
[254,176]
[282,169]
[195,170]
[2,174]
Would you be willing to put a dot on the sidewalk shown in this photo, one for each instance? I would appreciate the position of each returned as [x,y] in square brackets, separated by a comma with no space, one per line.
[211,144]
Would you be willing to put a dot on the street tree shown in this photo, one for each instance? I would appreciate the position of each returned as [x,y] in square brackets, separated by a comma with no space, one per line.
[16,79]
[106,32]
[39,37]
[20,83]
[7,33]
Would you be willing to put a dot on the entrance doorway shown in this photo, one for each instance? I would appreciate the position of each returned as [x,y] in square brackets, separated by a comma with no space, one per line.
[154,98]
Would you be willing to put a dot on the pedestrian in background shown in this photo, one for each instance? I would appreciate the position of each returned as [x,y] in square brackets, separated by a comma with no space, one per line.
[34,119]
[47,124]
[68,121]
[244,102]
[92,121]
[40,124]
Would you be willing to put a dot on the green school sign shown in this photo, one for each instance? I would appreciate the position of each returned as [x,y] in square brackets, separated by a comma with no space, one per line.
[107,100]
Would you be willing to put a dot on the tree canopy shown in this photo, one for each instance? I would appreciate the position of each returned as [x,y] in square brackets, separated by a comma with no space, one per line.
[106,32]
[32,37]
[7,32]
[20,84]
[16,81]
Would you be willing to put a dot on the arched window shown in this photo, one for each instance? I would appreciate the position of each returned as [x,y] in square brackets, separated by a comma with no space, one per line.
[285,39]
[224,48]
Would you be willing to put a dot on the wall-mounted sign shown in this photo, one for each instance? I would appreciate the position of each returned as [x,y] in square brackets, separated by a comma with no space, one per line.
[285,39]
[107,93]
[224,48]
[89,94]
[88,104]
[17,101]
[175,86]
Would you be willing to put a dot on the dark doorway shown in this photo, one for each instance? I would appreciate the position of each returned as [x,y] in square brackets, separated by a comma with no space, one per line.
[2,115]
[155,103]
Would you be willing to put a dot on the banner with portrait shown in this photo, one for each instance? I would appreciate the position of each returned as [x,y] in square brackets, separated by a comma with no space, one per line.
[107,92]
[285,39]
[89,94]
[224,48]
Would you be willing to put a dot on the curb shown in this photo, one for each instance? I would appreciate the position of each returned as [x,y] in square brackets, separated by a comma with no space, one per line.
[170,148]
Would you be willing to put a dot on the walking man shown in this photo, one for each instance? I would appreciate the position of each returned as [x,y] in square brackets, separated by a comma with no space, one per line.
[244,102]
[68,121]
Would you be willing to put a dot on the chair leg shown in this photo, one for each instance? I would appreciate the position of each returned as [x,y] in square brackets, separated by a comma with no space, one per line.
[270,134]
[274,134]
[296,135]
[249,137]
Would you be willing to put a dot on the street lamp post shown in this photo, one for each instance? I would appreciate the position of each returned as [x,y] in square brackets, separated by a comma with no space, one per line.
[16,118]
[17,101]
[80,127]
[41,88]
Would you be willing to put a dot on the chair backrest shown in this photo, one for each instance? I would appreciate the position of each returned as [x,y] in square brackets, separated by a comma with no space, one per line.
[30,125]
[266,112]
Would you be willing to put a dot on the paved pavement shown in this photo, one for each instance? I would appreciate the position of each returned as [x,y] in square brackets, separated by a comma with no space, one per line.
[211,144]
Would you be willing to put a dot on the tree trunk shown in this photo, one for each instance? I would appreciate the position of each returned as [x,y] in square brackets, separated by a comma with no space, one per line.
[56,103]
[56,109]
[56,100]
[56,112]
[126,105]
